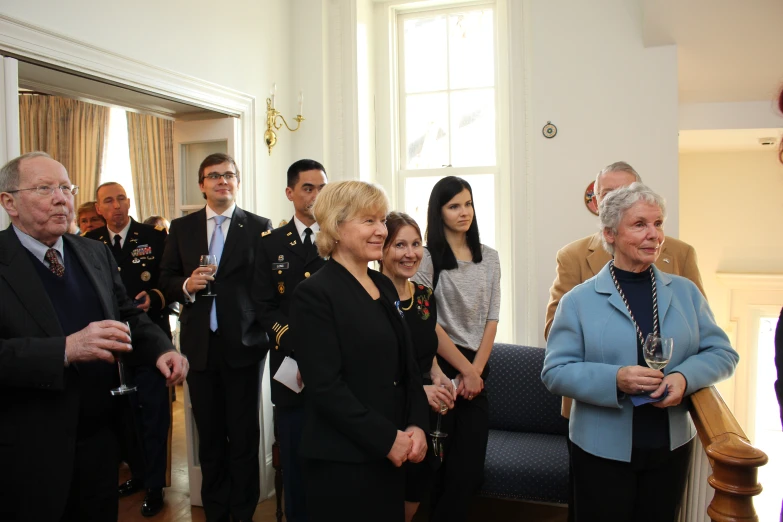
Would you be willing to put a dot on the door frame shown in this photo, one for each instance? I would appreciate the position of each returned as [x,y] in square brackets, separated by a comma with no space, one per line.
[32,43]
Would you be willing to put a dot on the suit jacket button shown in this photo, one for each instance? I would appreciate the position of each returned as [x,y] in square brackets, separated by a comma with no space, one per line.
[307,274]
[395,383]
[277,347]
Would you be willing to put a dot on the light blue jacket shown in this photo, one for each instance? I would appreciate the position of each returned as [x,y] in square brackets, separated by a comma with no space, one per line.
[593,336]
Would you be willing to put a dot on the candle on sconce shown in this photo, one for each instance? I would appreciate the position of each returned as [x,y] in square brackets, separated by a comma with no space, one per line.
[273,93]
[301,101]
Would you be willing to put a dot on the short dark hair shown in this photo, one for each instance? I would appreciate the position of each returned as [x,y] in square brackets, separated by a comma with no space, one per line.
[443,257]
[105,185]
[394,222]
[303,165]
[212,160]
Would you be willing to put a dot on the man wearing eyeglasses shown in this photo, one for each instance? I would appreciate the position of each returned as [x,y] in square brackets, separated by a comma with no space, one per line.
[138,250]
[62,313]
[221,336]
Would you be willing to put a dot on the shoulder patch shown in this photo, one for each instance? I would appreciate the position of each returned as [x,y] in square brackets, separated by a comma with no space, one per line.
[159,228]
[265,233]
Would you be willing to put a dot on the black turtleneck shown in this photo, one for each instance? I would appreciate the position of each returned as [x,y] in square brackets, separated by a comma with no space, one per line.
[650,424]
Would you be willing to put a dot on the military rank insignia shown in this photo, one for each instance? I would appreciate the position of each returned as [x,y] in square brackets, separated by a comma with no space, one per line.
[281,288]
[145,276]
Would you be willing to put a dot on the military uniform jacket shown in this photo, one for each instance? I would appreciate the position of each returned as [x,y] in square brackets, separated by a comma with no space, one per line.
[282,263]
[139,264]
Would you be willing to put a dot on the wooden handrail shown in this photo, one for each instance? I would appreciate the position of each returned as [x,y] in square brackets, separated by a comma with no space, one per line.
[734,460]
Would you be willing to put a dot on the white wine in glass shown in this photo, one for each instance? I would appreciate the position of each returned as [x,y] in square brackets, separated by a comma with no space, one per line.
[209,261]
[658,351]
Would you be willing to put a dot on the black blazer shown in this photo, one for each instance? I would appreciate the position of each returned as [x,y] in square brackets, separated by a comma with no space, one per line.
[139,264]
[39,397]
[244,339]
[351,391]
[282,262]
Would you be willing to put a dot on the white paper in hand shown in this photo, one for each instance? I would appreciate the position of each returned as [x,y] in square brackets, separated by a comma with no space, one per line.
[286,375]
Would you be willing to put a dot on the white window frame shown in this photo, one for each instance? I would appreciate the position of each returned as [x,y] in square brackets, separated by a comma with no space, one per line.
[397,175]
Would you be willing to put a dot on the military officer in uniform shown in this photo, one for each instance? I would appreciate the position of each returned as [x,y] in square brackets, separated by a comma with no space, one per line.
[287,256]
[138,249]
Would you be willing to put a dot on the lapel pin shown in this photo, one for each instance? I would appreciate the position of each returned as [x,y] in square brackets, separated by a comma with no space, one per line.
[288,234]
[240,225]
[666,260]
[292,243]
[281,258]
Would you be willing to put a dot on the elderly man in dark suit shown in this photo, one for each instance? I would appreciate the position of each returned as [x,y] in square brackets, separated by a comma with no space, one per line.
[138,250]
[286,257]
[221,336]
[62,307]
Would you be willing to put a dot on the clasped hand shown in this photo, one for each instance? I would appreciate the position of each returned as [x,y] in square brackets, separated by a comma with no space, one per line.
[634,380]
[410,444]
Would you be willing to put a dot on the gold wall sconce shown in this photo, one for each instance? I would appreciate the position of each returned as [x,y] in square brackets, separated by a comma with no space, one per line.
[275,120]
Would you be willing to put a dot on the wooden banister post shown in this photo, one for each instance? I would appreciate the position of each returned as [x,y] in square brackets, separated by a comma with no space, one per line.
[734,460]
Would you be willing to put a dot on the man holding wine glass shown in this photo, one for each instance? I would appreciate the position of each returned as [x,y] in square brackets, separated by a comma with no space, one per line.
[62,313]
[220,335]
[631,432]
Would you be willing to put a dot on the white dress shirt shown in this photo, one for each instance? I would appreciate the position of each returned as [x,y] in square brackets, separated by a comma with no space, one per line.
[300,228]
[122,233]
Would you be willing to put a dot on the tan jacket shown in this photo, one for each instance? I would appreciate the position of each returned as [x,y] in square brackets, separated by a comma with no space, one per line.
[579,261]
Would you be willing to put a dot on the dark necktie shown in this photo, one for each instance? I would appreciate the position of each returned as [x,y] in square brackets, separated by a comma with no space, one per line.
[308,243]
[117,248]
[54,264]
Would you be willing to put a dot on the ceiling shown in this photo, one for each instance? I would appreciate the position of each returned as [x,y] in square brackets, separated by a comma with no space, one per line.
[728,50]
[50,81]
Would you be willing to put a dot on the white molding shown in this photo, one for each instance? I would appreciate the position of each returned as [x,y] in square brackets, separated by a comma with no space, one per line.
[750,281]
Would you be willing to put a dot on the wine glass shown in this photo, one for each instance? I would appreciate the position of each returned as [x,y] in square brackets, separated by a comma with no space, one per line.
[438,435]
[209,261]
[123,389]
[658,351]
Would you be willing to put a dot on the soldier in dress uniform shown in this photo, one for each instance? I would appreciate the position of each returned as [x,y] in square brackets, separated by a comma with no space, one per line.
[138,249]
[287,256]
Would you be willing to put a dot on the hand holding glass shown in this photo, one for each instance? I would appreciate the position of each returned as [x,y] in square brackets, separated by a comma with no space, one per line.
[209,261]
[658,351]
[123,389]
[438,435]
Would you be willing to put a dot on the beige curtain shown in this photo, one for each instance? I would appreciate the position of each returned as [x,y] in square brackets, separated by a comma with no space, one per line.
[151,143]
[72,132]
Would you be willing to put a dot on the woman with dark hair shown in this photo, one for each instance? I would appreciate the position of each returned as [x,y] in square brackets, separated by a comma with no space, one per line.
[465,277]
[402,254]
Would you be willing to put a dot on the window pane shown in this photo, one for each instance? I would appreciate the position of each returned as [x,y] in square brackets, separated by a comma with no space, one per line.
[426,131]
[473,128]
[425,54]
[471,49]
[417,195]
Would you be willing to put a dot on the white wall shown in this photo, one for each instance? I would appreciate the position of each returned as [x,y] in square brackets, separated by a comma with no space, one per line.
[731,211]
[234,43]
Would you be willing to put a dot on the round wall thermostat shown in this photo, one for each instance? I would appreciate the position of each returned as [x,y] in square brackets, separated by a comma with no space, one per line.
[549,130]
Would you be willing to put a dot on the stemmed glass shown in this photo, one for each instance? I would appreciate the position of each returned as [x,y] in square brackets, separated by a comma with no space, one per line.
[209,261]
[123,389]
[438,435]
[658,351]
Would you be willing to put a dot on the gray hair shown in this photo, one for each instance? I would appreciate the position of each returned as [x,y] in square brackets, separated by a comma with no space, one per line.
[617,202]
[9,174]
[617,166]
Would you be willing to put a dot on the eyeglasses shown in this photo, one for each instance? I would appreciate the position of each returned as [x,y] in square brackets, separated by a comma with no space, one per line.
[214,176]
[48,190]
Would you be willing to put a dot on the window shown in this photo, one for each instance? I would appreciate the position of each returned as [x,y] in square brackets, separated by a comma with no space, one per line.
[447,99]
[116,160]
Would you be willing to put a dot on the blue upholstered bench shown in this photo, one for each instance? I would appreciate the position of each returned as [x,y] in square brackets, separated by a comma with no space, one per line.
[527,457]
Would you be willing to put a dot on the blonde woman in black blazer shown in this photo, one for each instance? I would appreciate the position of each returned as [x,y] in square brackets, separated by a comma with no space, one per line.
[366,412]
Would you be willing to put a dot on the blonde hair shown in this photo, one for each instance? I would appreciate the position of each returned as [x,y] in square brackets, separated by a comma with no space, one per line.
[338,202]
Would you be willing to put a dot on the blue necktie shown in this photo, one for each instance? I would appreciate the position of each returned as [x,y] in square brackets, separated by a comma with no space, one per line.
[216,249]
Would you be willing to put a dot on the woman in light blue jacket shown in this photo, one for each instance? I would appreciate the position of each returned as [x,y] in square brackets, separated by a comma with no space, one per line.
[630,463]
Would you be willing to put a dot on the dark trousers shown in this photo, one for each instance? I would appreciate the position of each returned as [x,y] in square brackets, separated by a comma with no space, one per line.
[571,513]
[647,489]
[93,495]
[354,491]
[145,437]
[290,422]
[462,472]
[225,407]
